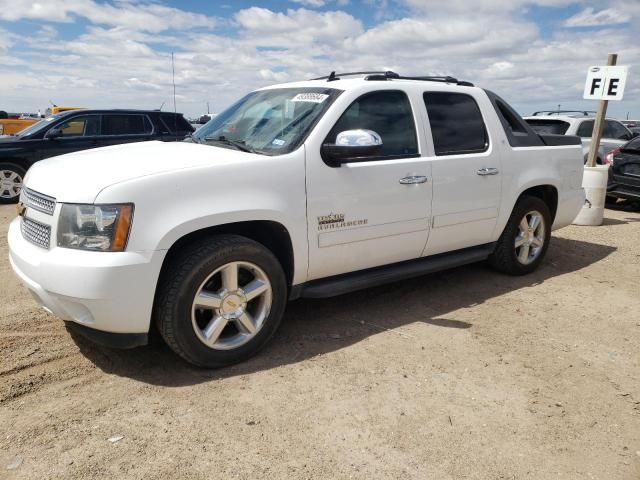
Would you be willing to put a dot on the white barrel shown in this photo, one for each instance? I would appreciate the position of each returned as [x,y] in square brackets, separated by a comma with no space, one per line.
[594,182]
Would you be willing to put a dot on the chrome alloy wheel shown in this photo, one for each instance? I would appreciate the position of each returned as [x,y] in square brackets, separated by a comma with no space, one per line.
[231,305]
[530,239]
[10,184]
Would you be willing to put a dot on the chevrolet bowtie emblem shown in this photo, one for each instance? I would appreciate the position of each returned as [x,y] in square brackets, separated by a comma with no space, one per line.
[21,209]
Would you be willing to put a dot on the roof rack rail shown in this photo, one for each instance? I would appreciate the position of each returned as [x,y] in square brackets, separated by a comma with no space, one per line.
[336,76]
[586,113]
[389,75]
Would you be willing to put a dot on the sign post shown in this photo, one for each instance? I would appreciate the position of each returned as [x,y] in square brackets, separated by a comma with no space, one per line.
[603,84]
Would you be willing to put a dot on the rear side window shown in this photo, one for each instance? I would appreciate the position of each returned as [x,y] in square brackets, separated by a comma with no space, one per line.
[456,123]
[386,112]
[548,127]
[585,129]
[124,124]
[615,130]
[176,123]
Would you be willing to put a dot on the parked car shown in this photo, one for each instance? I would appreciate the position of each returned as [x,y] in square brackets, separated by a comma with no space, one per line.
[307,189]
[580,123]
[631,123]
[75,130]
[624,172]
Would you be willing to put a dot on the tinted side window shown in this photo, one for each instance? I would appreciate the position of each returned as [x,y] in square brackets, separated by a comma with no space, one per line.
[553,127]
[615,130]
[456,123]
[125,125]
[388,113]
[585,129]
[176,124]
[83,126]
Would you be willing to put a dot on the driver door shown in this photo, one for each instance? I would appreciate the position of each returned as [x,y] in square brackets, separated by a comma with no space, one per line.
[376,210]
[77,133]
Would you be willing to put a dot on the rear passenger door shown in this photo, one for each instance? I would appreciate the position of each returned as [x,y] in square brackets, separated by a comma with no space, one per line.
[120,128]
[466,173]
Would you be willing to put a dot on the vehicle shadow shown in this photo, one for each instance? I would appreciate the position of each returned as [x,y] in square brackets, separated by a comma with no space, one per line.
[314,327]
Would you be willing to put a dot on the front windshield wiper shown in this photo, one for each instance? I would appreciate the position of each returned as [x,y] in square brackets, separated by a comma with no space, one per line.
[238,145]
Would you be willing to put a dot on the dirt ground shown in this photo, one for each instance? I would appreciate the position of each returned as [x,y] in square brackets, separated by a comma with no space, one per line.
[466,374]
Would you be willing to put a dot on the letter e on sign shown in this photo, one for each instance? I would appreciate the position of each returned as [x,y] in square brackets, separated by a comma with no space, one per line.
[605,83]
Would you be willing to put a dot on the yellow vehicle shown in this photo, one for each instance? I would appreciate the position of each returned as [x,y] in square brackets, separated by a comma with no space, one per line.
[56,109]
[11,126]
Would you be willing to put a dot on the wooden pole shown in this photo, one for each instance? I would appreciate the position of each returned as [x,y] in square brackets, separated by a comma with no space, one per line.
[599,124]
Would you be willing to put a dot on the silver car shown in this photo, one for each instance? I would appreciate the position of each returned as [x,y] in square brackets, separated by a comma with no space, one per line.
[580,123]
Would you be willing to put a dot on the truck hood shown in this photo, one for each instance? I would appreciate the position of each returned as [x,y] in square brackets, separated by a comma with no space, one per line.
[79,177]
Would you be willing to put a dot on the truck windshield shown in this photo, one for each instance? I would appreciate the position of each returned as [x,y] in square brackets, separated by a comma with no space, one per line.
[269,122]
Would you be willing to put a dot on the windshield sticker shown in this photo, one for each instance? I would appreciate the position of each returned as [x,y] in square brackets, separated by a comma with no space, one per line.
[278,142]
[310,97]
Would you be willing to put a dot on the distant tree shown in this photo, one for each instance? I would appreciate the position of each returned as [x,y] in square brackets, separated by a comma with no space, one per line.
[3,115]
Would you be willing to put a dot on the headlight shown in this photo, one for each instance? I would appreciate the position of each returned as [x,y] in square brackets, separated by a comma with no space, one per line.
[104,228]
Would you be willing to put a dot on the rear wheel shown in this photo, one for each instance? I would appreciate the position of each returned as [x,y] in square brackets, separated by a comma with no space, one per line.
[220,300]
[524,241]
[11,178]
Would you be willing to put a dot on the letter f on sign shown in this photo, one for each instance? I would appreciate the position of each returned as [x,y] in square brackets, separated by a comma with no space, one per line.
[595,84]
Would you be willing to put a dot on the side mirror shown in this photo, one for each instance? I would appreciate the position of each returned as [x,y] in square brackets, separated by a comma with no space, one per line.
[352,146]
[53,134]
[635,134]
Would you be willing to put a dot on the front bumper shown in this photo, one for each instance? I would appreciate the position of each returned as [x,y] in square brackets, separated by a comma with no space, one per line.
[105,291]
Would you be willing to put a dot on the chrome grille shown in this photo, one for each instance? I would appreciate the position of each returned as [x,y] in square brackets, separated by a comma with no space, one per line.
[37,233]
[38,201]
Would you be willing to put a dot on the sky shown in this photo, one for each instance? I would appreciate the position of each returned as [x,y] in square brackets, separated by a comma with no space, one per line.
[117,53]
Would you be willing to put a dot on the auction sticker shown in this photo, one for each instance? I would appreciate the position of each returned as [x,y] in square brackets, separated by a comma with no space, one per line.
[310,97]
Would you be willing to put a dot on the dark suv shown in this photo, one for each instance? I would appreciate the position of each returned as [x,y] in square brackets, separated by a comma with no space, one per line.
[80,130]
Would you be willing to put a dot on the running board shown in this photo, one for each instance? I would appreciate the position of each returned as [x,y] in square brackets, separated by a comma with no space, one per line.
[373,277]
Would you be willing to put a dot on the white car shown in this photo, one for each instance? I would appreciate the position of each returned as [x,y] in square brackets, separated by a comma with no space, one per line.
[307,189]
[580,123]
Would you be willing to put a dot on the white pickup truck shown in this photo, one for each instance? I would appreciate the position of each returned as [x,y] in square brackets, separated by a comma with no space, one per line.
[307,189]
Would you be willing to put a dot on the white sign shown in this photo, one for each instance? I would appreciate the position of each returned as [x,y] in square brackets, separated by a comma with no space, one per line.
[605,83]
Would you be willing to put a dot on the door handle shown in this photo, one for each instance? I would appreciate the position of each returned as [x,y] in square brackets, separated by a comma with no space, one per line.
[488,171]
[413,179]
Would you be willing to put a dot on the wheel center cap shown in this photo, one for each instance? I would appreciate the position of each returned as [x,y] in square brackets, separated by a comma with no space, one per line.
[7,183]
[233,305]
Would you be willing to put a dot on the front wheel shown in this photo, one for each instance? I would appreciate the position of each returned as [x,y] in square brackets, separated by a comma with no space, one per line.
[524,241]
[11,177]
[220,300]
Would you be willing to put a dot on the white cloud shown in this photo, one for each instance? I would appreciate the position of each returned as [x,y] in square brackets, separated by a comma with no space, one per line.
[122,61]
[480,6]
[149,17]
[296,27]
[590,18]
[311,3]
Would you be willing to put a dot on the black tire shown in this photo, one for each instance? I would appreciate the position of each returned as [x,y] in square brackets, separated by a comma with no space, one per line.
[182,280]
[504,258]
[8,195]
